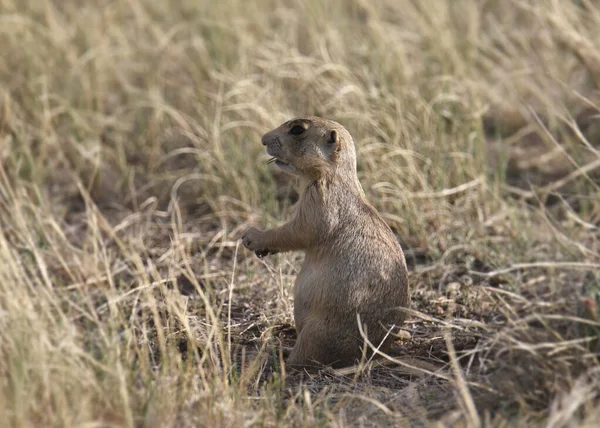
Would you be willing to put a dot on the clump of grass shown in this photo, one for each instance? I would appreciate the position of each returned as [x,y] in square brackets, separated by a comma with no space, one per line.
[130,161]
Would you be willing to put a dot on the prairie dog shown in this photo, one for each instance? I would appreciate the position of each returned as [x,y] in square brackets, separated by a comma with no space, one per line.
[353,262]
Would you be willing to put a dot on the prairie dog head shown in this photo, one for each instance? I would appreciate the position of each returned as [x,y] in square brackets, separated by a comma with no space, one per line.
[311,147]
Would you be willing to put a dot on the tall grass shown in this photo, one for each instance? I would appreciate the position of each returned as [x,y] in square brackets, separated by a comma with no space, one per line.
[130,161]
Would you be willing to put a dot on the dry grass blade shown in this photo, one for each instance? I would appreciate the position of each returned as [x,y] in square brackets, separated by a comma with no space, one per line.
[473,419]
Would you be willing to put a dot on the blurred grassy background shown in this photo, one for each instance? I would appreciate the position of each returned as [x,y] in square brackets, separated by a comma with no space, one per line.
[130,161]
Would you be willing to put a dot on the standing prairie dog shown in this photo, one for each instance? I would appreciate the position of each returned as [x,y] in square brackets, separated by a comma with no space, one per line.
[353,263]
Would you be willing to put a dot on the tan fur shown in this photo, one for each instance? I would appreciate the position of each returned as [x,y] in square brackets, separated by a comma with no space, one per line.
[353,263]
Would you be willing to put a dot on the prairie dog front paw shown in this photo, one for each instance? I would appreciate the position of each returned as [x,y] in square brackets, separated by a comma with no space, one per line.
[252,238]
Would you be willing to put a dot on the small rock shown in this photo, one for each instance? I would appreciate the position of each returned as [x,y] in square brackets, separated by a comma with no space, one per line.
[453,288]
[404,335]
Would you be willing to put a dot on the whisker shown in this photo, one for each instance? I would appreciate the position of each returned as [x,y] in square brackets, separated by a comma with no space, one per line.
[271,160]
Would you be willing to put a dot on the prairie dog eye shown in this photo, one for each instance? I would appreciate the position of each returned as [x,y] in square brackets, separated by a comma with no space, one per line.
[296,130]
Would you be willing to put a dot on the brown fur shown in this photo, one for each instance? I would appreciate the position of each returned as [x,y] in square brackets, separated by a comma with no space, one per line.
[353,263]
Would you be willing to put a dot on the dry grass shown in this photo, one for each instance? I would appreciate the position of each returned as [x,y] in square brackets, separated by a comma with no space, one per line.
[130,160]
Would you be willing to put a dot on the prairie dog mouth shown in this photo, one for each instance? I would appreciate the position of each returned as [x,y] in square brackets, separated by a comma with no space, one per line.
[282,165]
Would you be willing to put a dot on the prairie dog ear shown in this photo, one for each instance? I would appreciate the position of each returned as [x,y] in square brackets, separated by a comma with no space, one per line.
[332,138]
